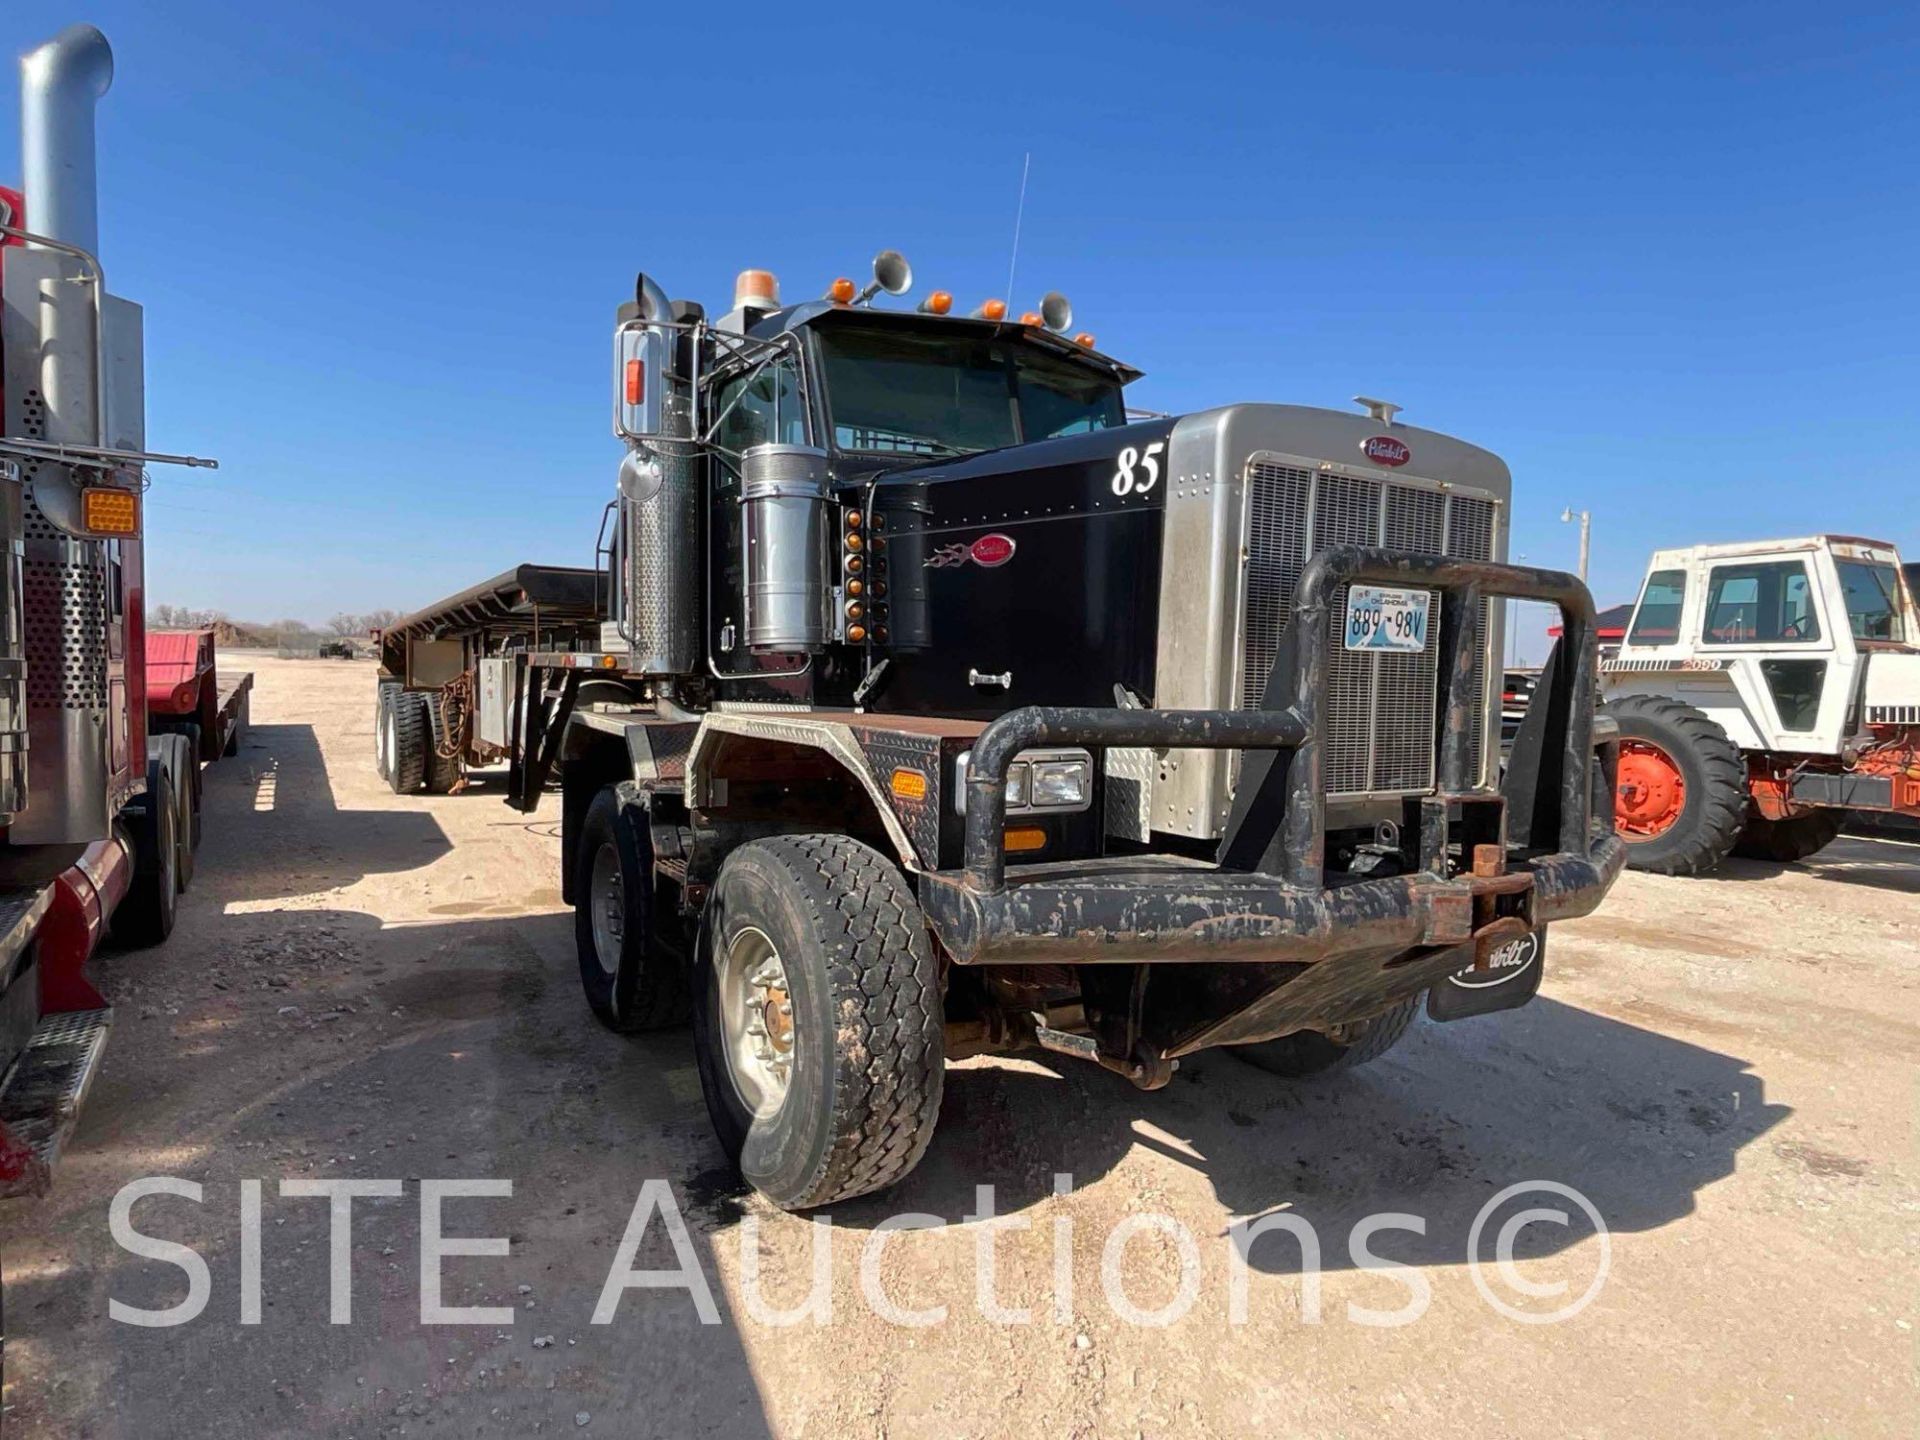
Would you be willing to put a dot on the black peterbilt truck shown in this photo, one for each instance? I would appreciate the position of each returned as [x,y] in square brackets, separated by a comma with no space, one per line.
[924,703]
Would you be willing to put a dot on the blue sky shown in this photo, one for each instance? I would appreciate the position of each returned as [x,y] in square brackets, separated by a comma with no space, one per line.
[1662,258]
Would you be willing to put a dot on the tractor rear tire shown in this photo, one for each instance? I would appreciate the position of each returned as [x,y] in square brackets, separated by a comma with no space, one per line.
[1309,1053]
[146,915]
[1709,793]
[818,1019]
[633,981]
[409,740]
[1785,841]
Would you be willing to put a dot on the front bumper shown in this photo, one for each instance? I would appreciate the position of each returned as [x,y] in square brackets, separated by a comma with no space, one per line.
[1479,867]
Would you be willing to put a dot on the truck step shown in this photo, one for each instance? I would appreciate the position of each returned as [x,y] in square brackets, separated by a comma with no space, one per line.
[41,1096]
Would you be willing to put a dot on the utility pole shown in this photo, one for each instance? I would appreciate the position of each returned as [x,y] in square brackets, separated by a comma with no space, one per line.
[1586,534]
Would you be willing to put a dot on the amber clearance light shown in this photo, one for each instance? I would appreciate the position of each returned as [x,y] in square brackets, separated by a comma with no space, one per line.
[109,510]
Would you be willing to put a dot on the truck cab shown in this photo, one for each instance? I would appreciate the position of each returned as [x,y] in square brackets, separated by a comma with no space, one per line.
[942,705]
[1763,690]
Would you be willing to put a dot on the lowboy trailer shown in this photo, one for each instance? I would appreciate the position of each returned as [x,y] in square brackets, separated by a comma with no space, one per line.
[933,706]
[103,727]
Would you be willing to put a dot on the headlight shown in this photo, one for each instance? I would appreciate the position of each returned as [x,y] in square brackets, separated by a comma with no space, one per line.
[1060,782]
[1055,780]
[1016,784]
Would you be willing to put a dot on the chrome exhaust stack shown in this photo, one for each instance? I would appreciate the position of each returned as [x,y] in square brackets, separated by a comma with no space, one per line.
[61,81]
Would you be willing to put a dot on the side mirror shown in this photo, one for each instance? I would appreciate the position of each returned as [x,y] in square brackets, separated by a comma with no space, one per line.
[640,356]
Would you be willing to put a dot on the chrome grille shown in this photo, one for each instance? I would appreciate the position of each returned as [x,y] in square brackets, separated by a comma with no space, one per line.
[1379,717]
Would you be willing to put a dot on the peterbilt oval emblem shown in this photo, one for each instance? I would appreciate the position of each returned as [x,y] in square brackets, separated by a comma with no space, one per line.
[991,550]
[1385,450]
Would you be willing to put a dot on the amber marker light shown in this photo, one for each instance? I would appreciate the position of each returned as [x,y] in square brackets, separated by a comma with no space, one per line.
[1084,340]
[1032,317]
[991,310]
[1021,839]
[909,784]
[842,291]
[109,510]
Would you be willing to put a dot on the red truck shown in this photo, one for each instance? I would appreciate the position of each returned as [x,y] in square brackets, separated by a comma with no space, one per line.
[103,727]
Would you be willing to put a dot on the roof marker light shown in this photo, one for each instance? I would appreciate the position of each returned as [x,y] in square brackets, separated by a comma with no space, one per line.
[842,291]
[991,310]
[938,303]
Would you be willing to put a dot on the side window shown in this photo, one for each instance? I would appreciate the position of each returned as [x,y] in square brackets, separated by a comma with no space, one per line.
[1657,620]
[1760,604]
[769,408]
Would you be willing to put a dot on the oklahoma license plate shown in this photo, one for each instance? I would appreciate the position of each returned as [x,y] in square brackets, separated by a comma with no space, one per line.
[1379,619]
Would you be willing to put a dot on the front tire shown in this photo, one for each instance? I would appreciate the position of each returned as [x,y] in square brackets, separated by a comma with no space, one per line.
[1681,793]
[1312,1053]
[632,982]
[818,1018]
[1785,841]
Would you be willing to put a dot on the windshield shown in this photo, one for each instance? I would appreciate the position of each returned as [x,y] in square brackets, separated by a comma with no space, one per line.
[904,392]
[1873,600]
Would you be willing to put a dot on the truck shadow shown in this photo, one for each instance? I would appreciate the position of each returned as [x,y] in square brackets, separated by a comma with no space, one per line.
[315,844]
[326,1043]
[1636,1121]
[1875,862]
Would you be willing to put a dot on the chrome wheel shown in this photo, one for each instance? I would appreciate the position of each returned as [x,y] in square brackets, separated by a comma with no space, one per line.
[756,1019]
[608,905]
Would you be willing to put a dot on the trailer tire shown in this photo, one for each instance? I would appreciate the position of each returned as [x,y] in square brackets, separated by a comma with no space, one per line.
[443,771]
[1311,1053]
[850,1103]
[146,915]
[1785,841]
[382,729]
[632,982]
[409,738]
[238,734]
[1684,819]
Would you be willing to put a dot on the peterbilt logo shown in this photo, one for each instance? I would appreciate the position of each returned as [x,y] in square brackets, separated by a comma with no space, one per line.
[1385,450]
[989,552]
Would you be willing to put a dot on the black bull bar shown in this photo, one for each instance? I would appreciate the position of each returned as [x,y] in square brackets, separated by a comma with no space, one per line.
[1480,867]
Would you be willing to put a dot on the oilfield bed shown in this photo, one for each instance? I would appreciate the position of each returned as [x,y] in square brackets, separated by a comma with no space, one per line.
[369,985]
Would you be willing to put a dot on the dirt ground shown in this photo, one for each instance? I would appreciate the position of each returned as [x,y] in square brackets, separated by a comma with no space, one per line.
[372,986]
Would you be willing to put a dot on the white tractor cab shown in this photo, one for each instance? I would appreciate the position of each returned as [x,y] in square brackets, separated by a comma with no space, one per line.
[1762,692]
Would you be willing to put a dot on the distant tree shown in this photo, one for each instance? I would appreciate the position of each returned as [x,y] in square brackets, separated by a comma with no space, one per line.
[345,625]
[379,619]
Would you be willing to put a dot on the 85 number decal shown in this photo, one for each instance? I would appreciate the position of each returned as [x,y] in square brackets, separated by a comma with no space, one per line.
[1139,470]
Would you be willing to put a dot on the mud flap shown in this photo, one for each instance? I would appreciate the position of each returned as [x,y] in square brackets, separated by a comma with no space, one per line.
[1511,979]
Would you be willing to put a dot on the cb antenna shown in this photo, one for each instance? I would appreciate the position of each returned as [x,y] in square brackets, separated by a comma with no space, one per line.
[1018,211]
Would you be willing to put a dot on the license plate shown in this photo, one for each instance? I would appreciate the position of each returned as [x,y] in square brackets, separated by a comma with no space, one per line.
[1380,619]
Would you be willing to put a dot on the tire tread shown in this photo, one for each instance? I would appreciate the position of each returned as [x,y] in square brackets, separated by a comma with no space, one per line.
[1725,810]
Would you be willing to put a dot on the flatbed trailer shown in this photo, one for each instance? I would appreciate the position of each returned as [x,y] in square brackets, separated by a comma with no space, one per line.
[445,702]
